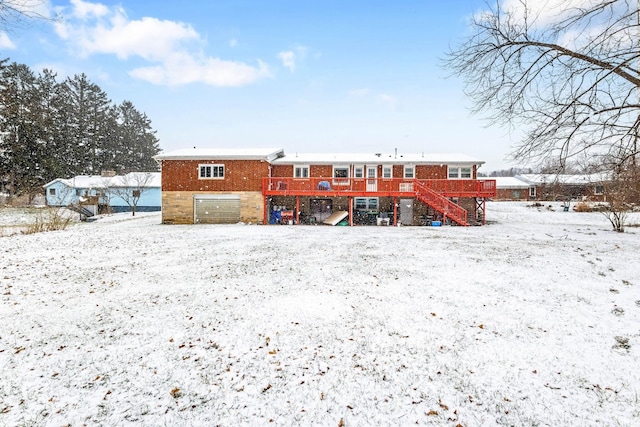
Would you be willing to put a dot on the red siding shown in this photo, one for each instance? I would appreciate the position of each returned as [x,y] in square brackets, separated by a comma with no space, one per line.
[431,172]
[240,175]
[282,170]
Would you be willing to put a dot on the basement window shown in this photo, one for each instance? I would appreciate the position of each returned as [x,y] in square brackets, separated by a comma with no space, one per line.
[211,171]
[366,203]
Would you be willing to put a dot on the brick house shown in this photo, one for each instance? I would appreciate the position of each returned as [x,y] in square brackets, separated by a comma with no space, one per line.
[588,187]
[513,188]
[266,186]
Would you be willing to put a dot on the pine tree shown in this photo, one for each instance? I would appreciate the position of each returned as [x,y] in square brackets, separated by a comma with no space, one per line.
[21,146]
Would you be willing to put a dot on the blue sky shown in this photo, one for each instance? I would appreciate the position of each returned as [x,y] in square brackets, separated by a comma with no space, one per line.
[306,76]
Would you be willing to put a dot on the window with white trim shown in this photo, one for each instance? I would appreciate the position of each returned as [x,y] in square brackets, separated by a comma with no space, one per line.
[532,191]
[460,172]
[341,175]
[211,171]
[358,171]
[366,203]
[340,172]
[387,171]
[409,171]
[301,171]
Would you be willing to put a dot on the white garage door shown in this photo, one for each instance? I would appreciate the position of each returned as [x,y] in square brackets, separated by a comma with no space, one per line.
[216,209]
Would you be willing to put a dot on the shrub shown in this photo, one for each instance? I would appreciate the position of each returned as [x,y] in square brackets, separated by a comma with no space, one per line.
[49,220]
[582,207]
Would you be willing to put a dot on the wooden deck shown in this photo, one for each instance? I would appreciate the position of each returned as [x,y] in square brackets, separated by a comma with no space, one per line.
[436,193]
[378,187]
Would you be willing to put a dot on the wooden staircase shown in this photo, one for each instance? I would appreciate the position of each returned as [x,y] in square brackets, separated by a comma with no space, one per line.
[84,212]
[441,204]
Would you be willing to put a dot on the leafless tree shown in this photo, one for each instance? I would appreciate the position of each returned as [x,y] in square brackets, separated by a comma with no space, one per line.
[130,188]
[569,76]
[622,193]
[13,13]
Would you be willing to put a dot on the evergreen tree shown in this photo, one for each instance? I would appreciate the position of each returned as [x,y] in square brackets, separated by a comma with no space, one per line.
[21,146]
[90,107]
[137,142]
[54,130]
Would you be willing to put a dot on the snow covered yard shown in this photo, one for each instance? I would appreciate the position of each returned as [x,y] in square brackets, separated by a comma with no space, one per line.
[531,320]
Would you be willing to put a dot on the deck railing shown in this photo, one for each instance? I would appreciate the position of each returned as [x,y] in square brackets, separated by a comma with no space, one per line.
[335,187]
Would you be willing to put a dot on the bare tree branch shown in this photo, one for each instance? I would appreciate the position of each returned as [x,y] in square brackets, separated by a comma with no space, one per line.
[571,80]
[14,13]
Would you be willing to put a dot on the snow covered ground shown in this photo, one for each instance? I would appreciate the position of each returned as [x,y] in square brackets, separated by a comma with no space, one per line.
[531,320]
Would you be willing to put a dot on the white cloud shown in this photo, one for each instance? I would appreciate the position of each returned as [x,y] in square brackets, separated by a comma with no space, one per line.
[5,41]
[542,12]
[388,100]
[85,10]
[380,98]
[182,69]
[174,49]
[290,58]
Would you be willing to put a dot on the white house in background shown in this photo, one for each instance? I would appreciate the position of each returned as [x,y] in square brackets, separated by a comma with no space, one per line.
[107,191]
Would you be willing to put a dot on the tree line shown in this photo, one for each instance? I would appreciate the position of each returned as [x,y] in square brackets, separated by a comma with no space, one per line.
[57,129]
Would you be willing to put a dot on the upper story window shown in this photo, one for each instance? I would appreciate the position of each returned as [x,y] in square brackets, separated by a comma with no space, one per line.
[387,171]
[340,172]
[458,172]
[358,171]
[409,172]
[301,171]
[211,171]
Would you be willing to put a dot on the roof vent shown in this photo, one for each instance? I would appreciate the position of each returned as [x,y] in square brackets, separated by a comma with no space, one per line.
[378,154]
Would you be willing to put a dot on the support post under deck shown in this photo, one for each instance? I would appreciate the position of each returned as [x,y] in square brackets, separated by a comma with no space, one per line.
[395,211]
[351,211]
[481,208]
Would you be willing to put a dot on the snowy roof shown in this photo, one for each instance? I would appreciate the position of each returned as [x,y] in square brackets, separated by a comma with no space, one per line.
[277,156]
[506,182]
[132,179]
[379,158]
[222,154]
[566,179]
